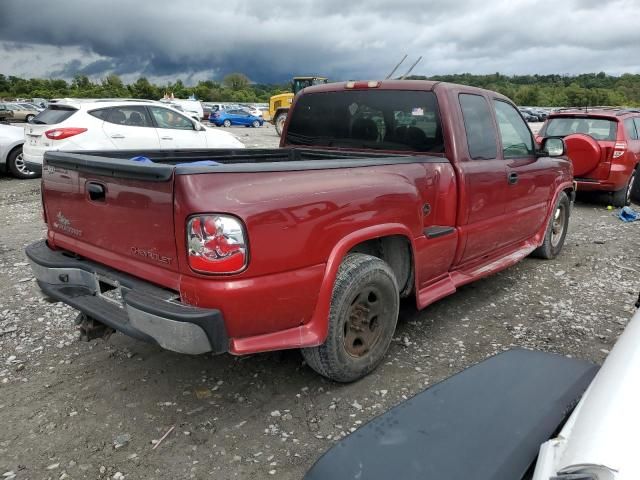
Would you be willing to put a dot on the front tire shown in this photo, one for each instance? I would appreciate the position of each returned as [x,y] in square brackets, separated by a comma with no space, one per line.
[226,123]
[362,320]
[255,124]
[17,167]
[280,119]
[556,229]
[28,118]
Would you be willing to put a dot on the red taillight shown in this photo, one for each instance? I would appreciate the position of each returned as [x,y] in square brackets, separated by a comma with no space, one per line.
[62,133]
[619,149]
[538,139]
[216,244]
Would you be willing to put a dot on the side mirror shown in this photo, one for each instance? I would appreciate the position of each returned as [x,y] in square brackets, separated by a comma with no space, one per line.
[552,147]
[197,126]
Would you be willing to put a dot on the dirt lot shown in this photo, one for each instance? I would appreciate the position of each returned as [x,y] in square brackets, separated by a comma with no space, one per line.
[94,410]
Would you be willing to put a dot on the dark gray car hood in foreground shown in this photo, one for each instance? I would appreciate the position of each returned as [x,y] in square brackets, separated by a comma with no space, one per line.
[484,423]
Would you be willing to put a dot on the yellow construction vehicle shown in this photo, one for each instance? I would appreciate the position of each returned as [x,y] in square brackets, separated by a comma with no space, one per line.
[279,104]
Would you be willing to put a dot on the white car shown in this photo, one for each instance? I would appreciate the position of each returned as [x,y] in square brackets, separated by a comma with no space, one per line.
[116,125]
[252,110]
[11,160]
[192,108]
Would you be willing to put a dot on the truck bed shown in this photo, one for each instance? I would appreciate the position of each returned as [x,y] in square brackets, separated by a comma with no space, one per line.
[117,163]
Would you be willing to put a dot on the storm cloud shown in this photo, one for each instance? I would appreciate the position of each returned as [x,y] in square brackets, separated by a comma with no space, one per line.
[270,41]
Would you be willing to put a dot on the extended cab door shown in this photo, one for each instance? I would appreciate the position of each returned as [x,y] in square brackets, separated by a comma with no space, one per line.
[176,130]
[483,178]
[128,128]
[529,178]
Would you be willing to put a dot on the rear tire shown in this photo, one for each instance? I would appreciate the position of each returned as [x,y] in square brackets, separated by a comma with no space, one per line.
[556,229]
[362,319]
[28,118]
[17,167]
[280,119]
[623,197]
[226,123]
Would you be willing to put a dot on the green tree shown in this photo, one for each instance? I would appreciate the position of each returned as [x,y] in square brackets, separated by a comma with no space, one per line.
[236,81]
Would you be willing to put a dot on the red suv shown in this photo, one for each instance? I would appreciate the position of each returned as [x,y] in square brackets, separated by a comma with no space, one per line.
[608,160]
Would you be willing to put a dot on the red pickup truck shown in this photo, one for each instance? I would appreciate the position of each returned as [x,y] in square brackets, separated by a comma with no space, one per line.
[381,190]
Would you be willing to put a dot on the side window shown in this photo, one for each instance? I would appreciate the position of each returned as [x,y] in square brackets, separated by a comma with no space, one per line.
[130,116]
[630,128]
[636,120]
[478,124]
[102,114]
[515,135]
[166,118]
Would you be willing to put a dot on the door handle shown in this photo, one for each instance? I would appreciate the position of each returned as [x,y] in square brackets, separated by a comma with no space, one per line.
[166,138]
[117,135]
[512,178]
[96,191]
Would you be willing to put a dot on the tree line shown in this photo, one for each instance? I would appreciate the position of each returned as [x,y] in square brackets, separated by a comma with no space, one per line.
[587,89]
[234,87]
[542,90]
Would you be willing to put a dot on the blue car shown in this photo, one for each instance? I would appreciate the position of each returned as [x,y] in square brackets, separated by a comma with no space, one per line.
[235,117]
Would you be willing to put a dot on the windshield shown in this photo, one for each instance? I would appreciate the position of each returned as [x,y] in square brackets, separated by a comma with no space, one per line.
[598,128]
[370,119]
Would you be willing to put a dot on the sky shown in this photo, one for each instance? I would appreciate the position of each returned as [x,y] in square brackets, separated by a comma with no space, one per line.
[270,41]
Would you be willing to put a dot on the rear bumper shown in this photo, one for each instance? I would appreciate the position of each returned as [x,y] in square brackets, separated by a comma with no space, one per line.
[132,306]
[32,160]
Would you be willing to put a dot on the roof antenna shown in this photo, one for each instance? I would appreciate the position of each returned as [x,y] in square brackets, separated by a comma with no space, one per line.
[412,66]
[396,67]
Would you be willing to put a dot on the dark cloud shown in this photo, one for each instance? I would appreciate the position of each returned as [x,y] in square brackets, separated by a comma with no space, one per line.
[270,41]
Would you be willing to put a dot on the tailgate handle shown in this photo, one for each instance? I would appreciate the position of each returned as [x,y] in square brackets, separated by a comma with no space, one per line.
[96,191]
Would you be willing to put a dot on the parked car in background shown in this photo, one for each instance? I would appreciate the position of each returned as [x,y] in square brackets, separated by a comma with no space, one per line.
[91,125]
[11,160]
[192,107]
[6,114]
[226,118]
[252,110]
[610,163]
[29,106]
[528,115]
[20,113]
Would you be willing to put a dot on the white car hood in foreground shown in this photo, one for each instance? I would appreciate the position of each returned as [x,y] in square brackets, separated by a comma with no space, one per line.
[600,439]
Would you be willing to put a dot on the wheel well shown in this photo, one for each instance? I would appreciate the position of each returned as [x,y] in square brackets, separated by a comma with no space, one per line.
[279,111]
[396,251]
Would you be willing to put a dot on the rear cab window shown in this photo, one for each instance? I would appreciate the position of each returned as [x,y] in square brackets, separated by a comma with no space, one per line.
[54,114]
[598,128]
[395,120]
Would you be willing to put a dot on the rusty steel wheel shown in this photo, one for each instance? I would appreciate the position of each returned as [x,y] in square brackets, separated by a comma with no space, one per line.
[362,325]
[362,319]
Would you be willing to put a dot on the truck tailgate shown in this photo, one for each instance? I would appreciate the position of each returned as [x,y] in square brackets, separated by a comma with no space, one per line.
[125,218]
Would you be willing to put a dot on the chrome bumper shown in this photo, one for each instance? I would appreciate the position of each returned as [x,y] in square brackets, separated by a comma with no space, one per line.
[132,306]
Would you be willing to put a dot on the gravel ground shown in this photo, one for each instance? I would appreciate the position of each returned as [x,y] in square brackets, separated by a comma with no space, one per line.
[96,410]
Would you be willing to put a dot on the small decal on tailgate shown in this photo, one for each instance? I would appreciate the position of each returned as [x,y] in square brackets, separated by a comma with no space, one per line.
[63,224]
